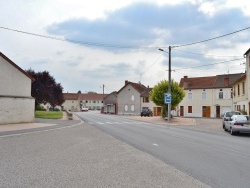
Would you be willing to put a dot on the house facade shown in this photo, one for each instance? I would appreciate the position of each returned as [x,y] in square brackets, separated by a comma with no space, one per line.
[110,104]
[17,105]
[207,96]
[132,97]
[241,89]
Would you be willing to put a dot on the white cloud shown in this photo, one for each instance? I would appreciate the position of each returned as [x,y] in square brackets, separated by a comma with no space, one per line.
[86,68]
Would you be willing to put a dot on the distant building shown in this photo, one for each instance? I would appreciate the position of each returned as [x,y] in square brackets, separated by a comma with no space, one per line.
[16,103]
[76,101]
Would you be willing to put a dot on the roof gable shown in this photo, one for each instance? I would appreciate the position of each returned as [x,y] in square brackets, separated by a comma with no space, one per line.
[16,66]
[137,86]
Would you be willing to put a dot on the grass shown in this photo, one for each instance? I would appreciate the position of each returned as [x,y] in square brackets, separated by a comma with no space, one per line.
[49,114]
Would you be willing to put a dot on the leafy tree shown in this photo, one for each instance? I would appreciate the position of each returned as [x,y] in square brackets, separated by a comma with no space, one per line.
[157,95]
[45,89]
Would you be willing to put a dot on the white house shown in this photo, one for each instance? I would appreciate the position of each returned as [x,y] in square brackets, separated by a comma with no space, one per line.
[16,103]
[207,96]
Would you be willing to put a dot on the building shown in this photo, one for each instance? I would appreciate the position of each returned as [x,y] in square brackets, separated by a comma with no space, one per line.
[17,105]
[241,89]
[132,97]
[110,103]
[76,101]
[207,96]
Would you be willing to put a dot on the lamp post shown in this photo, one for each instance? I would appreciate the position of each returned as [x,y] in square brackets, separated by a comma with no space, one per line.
[169,79]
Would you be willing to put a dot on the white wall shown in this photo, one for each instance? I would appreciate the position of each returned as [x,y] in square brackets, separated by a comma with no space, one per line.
[12,81]
[16,110]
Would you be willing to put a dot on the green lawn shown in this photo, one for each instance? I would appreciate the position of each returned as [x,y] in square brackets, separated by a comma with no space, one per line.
[49,114]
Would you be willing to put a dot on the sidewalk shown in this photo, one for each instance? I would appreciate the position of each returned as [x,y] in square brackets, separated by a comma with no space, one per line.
[22,126]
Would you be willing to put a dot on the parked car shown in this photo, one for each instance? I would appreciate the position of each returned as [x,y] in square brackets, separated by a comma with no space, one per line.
[85,109]
[146,112]
[238,124]
[228,115]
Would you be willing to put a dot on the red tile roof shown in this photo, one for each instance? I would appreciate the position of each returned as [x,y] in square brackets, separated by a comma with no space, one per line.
[137,86]
[218,81]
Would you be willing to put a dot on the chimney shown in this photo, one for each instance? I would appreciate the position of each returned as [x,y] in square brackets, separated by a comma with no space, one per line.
[185,77]
[126,82]
[226,81]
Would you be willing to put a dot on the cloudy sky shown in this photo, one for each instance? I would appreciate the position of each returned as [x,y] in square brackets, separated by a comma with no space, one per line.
[88,44]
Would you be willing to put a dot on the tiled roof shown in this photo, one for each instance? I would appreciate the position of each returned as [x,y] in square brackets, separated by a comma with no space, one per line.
[146,92]
[70,96]
[83,96]
[92,96]
[218,81]
[137,86]
[197,82]
[247,51]
[16,66]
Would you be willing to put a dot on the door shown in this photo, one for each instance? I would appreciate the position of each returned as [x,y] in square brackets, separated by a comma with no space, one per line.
[217,111]
[206,111]
[181,110]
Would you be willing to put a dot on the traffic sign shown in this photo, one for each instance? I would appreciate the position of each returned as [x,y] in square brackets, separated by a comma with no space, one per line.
[167,98]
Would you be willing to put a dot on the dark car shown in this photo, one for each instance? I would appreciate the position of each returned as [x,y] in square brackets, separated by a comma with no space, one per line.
[146,112]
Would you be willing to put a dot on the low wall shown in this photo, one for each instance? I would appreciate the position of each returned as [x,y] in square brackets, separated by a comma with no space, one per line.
[16,109]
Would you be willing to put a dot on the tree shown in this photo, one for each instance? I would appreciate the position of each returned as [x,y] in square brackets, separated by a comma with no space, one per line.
[157,95]
[45,89]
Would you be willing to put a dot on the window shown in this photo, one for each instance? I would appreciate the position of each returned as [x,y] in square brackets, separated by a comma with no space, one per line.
[231,93]
[145,99]
[221,94]
[93,101]
[132,108]
[204,95]
[126,108]
[190,109]
[238,89]
[190,96]
[132,98]
[243,88]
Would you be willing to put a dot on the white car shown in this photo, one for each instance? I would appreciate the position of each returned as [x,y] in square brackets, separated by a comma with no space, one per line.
[238,124]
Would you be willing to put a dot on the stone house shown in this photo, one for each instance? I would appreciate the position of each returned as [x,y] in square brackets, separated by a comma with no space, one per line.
[17,105]
[132,97]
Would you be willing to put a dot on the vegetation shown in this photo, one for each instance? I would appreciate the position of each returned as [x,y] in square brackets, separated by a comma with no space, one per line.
[49,114]
[157,95]
[45,89]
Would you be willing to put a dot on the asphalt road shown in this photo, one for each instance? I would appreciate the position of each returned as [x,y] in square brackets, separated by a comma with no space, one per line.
[217,160]
[82,156]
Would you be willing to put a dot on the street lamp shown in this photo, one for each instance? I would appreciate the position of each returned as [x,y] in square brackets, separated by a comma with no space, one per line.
[169,79]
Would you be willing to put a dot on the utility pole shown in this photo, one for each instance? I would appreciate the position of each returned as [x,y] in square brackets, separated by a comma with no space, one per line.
[169,80]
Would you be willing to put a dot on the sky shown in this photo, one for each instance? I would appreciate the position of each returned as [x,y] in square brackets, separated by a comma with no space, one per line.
[86,45]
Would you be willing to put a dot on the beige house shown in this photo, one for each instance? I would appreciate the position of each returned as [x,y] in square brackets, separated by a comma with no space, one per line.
[241,89]
[75,101]
[207,96]
[17,105]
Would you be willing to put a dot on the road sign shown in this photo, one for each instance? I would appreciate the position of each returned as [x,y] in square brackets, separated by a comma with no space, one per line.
[167,98]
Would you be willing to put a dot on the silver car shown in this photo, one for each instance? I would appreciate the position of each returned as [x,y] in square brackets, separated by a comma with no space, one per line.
[238,124]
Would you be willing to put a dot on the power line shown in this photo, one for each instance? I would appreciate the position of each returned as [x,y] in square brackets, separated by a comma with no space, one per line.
[189,44]
[211,64]
[209,55]
[73,41]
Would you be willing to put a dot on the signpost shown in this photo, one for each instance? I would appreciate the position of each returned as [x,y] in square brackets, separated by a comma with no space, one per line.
[167,98]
